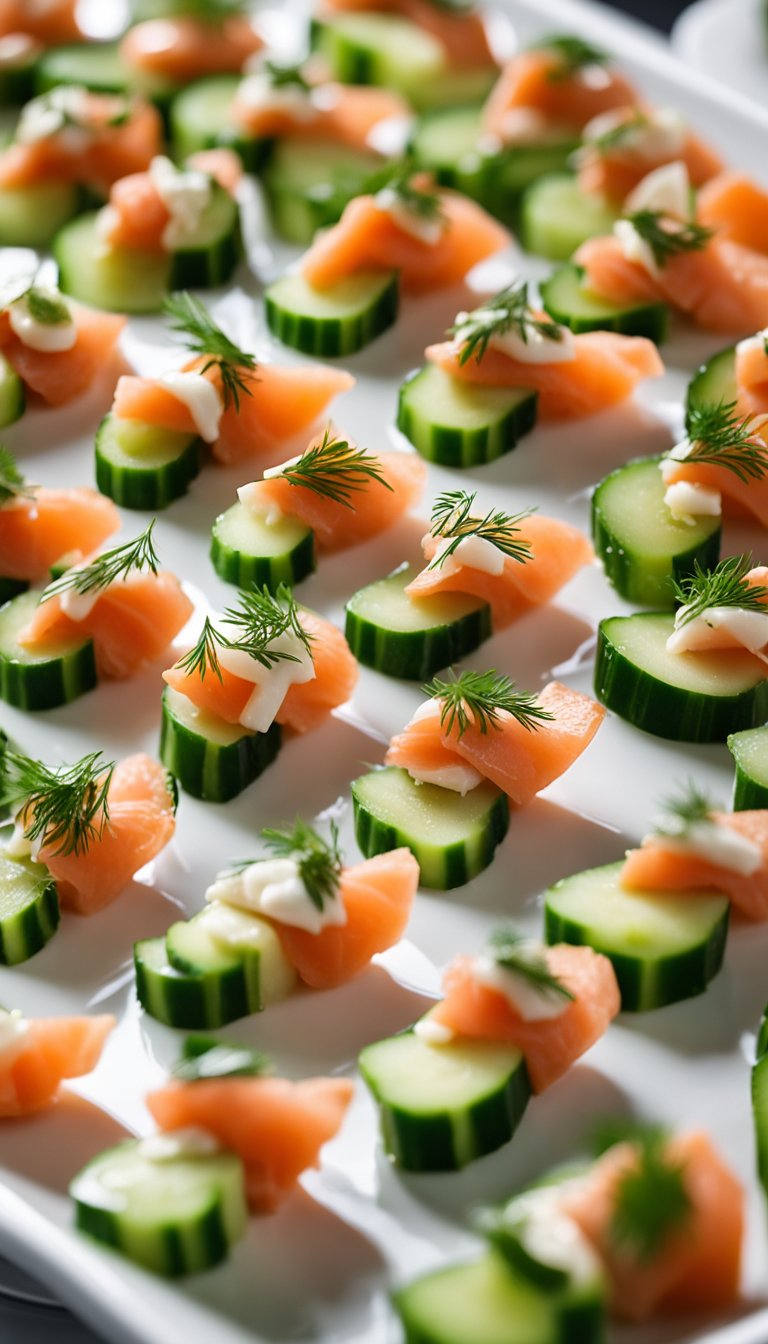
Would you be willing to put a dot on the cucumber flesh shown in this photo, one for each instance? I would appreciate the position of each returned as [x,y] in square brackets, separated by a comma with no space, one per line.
[749,750]
[453,838]
[565,296]
[642,547]
[556,217]
[444,1106]
[458,424]
[482,1301]
[336,321]
[246,549]
[35,681]
[201,118]
[110,278]
[211,759]
[177,1216]
[142,467]
[386,630]
[31,216]
[29,908]
[308,182]
[715,380]
[664,945]
[445,143]
[95,65]
[12,399]
[689,697]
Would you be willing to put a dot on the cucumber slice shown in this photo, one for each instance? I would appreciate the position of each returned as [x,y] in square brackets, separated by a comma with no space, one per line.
[715,381]
[642,547]
[95,65]
[31,216]
[565,296]
[664,945]
[386,630]
[453,838]
[177,1216]
[200,118]
[247,549]
[29,908]
[698,697]
[12,399]
[335,321]
[10,588]
[143,467]
[209,758]
[308,182]
[17,81]
[556,217]
[444,1106]
[749,750]
[459,424]
[41,680]
[444,143]
[115,279]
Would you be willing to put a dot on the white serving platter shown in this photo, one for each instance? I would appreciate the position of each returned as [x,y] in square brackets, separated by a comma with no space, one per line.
[727,40]
[322,1268]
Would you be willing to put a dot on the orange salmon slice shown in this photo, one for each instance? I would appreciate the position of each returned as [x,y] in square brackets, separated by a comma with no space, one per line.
[615,173]
[51,1049]
[654,867]
[343,113]
[534,80]
[185,49]
[111,152]
[51,24]
[65,374]
[36,532]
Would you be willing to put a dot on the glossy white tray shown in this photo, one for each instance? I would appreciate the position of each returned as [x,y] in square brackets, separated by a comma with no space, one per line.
[727,40]
[322,1268]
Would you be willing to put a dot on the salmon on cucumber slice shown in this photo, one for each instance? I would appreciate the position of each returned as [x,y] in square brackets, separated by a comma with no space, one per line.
[41,526]
[40,1053]
[116,136]
[139,211]
[623,146]
[186,48]
[554,80]
[84,343]
[667,864]
[336,113]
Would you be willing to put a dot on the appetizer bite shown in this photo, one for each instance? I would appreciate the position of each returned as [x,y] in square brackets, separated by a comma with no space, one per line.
[345,291]
[231,1139]
[106,616]
[267,665]
[699,674]
[176,49]
[507,364]
[475,745]
[483,572]
[38,1053]
[513,1020]
[297,915]
[332,496]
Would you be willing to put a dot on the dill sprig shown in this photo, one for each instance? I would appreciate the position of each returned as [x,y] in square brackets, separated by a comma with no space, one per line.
[517,954]
[204,655]
[720,437]
[318,860]
[398,178]
[335,469]
[12,482]
[65,807]
[683,809]
[724,586]
[50,309]
[207,1057]
[191,319]
[508,311]
[287,76]
[572,53]
[477,699]
[452,520]
[131,558]
[259,619]
[617,136]
[668,237]
[650,1201]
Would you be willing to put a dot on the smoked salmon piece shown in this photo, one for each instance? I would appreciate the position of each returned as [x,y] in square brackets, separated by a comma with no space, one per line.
[558,551]
[738,208]
[550,1045]
[340,112]
[367,237]
[279,404]
[377,896]
[184,49]
[61,376]
[51,24]
[371,510]
[138,216]
[519,760]
[463,36]
[275,1126]
[605,371]
[111,146]
[656,867]
[50,1050]
[697,1268]
[534,82]
[305,706]
[36,532]
[132,622]
[614,173]
[141,823]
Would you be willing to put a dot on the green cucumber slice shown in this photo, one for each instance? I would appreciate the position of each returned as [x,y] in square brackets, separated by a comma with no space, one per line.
[386,630]
[699,697]
[41,680]
[335,321]
[308,182]
[143,467]
[565,296]
[445,143]
[247,549]
[749,750]
[209,758]
[556,217]
[200,118]
[459,424]
[715,381]
[11,588]
[217,247]
[17,81]
[444,1106]
[177,1216]
[29,908]
[12,398]
[453,838]
[114,279]
[642,547]
[664,946]
[31,216]
[95,65]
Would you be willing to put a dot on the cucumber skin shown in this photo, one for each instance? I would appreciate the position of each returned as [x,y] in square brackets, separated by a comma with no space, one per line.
[454,869]
[415,655]
[33,928]
[332,338]
[49,684]
[748,794]
[210,772]
[190,1000]
[759,1091]
[714,381]
[670,711]
[248,570]
[10,588]
[17,85]
[13,401]
[451,447]
[643,319]
[146,488]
